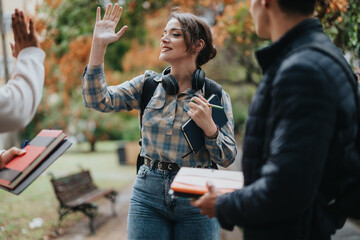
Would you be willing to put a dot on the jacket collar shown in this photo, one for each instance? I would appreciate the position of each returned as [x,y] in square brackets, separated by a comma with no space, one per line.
[265,56]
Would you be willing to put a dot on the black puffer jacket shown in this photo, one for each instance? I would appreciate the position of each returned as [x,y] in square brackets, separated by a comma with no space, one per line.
[306,106]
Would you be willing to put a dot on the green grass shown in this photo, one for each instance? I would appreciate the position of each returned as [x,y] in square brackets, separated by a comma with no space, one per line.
[39,201]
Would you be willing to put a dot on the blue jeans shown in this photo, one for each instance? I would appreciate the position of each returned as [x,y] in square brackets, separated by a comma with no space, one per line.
[153,214]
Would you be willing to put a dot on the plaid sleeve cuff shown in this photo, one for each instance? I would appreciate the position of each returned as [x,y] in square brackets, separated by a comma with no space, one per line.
[93,85]
[94,70]
[213,142]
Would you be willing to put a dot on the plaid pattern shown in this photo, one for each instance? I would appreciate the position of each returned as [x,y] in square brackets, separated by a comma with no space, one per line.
[162,138]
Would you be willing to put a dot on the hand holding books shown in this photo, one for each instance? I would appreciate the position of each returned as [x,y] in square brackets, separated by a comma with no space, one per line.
[42,150]
[207,202]
[8,155]
[193,132]
[201,112]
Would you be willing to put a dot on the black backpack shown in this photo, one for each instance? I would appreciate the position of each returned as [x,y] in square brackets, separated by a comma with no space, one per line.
[211,87]
[348,203]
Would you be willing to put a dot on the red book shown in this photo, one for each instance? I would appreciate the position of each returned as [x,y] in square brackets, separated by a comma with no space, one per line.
[36,151]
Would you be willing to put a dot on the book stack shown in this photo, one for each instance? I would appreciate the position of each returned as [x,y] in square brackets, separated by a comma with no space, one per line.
[191,182]
[45,148]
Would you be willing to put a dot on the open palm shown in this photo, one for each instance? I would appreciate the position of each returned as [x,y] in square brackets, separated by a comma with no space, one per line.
[104,31]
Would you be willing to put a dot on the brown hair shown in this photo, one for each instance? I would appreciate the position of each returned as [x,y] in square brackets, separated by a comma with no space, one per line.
[195,29]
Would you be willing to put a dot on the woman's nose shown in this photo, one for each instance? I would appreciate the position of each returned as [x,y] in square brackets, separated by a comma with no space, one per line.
[164,39]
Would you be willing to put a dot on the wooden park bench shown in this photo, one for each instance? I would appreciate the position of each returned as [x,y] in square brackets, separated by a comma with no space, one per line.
[77,192]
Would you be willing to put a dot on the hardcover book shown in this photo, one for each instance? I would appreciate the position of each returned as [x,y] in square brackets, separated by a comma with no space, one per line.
[36,151]
[194,135]
[191,182]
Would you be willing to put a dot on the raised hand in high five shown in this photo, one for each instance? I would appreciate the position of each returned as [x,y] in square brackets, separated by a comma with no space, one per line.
[104,33]
[23,37]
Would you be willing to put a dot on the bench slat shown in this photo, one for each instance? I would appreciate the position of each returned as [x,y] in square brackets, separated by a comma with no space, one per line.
[76,191]
[89,197]
[73,186]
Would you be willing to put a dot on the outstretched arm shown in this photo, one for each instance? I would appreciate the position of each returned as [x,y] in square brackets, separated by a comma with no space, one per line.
[21,96]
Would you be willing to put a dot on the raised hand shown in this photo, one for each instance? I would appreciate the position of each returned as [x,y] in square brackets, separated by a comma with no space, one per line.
[23,37]
[104,31]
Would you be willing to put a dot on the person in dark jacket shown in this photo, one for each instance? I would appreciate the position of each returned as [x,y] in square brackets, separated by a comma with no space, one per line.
[299,148]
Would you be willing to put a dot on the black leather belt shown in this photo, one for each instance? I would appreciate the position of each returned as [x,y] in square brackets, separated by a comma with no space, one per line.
[164,166]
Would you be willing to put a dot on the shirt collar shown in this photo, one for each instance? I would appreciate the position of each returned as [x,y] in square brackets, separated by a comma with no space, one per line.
[287,42]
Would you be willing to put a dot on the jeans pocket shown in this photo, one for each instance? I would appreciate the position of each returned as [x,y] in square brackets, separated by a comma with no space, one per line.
[142,172]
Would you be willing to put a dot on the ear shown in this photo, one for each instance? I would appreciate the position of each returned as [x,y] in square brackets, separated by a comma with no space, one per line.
[200,44]
[265,3]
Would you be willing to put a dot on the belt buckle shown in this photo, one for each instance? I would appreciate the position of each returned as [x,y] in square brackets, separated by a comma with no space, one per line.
[170,167]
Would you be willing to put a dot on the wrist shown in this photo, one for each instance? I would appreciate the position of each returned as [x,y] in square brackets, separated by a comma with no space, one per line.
[97,53]
[214,135]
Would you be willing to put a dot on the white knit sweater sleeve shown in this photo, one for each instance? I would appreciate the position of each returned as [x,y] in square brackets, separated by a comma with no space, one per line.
[21,96]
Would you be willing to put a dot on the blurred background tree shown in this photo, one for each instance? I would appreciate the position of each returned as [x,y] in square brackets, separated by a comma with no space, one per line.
[66,26]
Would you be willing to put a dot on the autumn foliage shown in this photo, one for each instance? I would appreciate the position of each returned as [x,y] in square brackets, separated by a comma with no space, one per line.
[65,33]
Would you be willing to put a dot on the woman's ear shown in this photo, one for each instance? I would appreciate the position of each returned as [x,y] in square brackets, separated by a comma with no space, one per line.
[265,3]
[200,44]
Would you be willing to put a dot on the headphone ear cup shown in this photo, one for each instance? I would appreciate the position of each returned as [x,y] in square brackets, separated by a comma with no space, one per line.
[198,79]
[170,84]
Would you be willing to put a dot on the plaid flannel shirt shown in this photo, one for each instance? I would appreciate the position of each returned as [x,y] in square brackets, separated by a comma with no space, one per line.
[162,138]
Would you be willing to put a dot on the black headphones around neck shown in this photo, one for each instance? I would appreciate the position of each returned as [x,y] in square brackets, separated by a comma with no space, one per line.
[171,86]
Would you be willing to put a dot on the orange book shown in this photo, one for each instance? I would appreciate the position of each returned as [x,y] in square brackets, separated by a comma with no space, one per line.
[191,182]
[36,151]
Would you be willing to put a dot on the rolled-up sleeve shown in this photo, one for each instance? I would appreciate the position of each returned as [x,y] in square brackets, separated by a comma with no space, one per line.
[97,95]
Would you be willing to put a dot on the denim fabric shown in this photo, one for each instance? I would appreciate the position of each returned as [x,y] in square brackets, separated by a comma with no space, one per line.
[153,214]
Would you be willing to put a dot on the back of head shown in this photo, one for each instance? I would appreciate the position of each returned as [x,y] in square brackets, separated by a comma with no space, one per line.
[302,7]
[195,29]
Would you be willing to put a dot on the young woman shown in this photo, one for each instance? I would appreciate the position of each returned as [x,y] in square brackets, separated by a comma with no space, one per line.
[186,44]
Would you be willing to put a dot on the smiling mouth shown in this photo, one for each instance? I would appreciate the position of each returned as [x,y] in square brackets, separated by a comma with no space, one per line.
[165,49]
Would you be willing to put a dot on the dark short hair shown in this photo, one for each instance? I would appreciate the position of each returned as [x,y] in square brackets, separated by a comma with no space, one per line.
[304,7]
[357,73]
[195,29]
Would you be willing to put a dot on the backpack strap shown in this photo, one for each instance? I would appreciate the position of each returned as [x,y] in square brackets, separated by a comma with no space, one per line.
[147,92]
[212,87]
[340,206]
[347,204]
[351,77]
